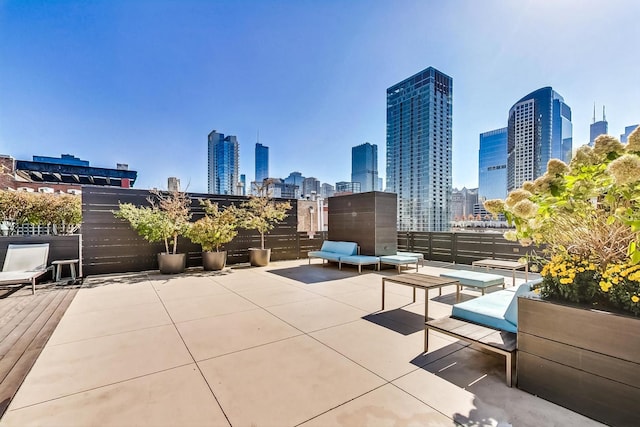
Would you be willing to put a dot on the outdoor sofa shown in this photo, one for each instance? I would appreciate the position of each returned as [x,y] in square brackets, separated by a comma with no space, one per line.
[24,264]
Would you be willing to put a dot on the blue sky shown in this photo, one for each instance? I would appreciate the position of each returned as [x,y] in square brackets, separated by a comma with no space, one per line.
[144,82]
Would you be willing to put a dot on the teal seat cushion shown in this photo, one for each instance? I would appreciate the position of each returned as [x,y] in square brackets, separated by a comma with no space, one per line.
[343,248]
[360,259]
[398,259]
[474,278]
[329,256]
[488,310]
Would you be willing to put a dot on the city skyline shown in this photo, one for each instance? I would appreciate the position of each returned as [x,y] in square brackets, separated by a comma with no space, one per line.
[143,83]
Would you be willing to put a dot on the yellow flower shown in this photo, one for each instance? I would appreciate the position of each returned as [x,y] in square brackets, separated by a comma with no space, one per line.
[635,299]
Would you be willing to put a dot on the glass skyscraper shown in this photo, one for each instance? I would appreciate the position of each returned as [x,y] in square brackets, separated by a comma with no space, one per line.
[598,128]
[492,165]
[419,112]
[223,164]
[627,131]
[364,166]
[262,162]
[539,129]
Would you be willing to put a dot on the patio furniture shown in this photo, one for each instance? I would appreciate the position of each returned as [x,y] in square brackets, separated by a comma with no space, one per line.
[412,254]
[426,282]
[333,250]
[24,264]
[359,260]
[399,260]
[473,279]
[57,266]
[502,264]
[490,321]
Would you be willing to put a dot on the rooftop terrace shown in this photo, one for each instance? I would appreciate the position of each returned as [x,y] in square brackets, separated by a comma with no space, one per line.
[284,345]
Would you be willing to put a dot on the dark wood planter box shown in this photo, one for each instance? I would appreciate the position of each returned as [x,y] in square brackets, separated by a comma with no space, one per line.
[583,359]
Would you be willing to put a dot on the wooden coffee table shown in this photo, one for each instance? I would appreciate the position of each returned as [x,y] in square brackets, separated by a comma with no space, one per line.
[426,282]
[502,264]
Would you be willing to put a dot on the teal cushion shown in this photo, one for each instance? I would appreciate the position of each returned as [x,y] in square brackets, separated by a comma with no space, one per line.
[511,315]
[474,278]
[360,259]
[344,248]
[487,310]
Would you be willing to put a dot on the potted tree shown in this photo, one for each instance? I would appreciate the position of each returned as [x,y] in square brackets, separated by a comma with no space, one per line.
[217,227]
[262,213]
[165,219]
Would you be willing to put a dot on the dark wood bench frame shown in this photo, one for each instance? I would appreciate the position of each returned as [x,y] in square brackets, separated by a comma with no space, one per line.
[491,339]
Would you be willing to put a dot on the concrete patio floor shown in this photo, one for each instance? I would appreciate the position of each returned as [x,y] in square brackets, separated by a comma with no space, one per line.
[285,345]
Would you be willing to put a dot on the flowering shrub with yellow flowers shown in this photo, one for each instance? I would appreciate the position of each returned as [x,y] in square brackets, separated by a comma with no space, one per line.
[586,216]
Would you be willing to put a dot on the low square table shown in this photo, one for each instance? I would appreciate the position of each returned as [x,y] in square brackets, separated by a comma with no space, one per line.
[426,282]
[502,264]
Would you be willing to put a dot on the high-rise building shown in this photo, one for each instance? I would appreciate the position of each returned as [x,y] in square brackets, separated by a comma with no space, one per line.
[295,178]
[173,183]
[243,184]
[419,112]
[310,187]
[539,129]
[492,165]
[364,166]
[327,190]
[344,187]
[462,203]
[262,162]
[223,163]
[624,138]
[597,128]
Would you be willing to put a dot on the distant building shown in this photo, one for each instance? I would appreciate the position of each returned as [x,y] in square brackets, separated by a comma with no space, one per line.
[624,138]
[539,129]
[462,203]
[380,184]
[243,184]
[364,166]
[295,178]
[419,124]
[310,187]
[173,184]
[281,189]
[65,174]
[598,128]
[344,187]
[327,190]
[262,162]
[223,164]
[492,165]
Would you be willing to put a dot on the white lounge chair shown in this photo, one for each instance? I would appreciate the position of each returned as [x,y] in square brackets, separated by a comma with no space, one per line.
[24,264]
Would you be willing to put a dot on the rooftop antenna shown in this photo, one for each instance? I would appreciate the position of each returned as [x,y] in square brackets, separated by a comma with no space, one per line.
[594,112]
[603,116]
[258,136]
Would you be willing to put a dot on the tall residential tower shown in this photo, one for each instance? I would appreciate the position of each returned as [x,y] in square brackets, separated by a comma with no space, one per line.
[262,162]
[364,166]
[419,112]
[492,165]
[223,164]
[539,129]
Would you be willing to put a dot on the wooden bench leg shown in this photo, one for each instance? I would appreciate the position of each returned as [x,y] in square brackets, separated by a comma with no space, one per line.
[509,368]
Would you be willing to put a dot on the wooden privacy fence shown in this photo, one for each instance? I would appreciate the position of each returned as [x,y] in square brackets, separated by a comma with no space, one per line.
[110,245]
[461,248]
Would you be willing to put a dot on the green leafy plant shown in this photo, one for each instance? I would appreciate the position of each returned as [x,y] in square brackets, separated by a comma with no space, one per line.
[584,213]
[165,219]
[63,212]
[262,213]
[216,228]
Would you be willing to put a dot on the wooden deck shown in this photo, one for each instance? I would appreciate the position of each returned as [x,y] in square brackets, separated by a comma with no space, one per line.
[26,323]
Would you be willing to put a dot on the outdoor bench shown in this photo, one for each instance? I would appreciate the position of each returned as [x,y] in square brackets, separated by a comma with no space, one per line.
[490,321]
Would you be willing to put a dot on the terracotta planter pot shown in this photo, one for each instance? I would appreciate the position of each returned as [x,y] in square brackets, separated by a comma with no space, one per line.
[214,261]
[259,257]
[580,358]
[171,263]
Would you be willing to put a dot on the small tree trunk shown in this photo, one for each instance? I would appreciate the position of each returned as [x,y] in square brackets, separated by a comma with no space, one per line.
[262,240]
[175,242]
[166,245]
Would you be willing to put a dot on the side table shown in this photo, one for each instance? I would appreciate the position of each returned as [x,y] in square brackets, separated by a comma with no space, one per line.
[57,265]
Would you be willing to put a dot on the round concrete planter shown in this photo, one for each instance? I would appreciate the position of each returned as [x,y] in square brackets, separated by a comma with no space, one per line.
[259,257]
[214,261]
[171,263]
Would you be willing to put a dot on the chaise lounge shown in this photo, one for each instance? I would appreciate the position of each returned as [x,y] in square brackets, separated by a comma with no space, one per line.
[24,264]
[490,321]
